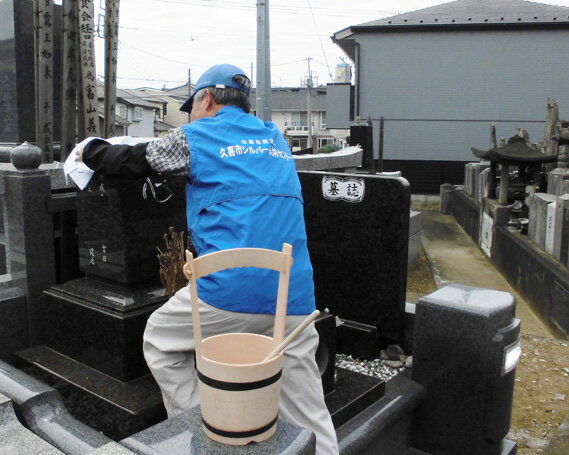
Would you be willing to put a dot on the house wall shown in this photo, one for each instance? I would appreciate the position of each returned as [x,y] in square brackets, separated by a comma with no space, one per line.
[175,117]
[144,127]
[439,91]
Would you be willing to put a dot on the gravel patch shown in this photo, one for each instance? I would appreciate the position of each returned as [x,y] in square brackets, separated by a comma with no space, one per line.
[376,368]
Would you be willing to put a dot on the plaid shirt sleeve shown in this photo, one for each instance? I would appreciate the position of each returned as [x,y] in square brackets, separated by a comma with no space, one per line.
[170,154]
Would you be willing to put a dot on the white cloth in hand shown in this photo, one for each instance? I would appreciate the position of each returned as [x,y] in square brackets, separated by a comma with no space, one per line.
[79,172]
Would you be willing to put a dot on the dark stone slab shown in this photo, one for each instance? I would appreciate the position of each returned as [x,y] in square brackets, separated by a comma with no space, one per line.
[362,135]
[385,426]
[358,340]
[564,253]
[101,324]
[534,274]
[359,248]
[462,335]
[13,326]
[184,434]
[119,230]
[354,392]
[560,306]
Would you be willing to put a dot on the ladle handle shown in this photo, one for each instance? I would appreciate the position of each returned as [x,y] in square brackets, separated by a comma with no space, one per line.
[292,335]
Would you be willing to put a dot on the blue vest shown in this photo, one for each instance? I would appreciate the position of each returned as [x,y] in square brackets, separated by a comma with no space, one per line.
[243,191]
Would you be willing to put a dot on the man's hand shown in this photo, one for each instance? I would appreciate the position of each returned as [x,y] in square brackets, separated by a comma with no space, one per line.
[81,146]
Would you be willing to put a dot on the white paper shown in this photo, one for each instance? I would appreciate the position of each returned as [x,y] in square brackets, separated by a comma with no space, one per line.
[79,172]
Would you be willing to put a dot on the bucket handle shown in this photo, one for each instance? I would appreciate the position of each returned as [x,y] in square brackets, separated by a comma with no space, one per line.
[241,257]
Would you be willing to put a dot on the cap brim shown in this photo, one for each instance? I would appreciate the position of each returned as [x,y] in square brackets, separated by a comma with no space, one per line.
[187,106]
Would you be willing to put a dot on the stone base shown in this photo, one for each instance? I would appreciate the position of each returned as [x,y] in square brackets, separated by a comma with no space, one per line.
[184,434]
[116,408]
[100,324]
[354,392]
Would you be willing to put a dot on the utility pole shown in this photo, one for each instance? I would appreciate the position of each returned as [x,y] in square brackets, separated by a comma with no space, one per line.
[308,106]
[111,55]
[263,91]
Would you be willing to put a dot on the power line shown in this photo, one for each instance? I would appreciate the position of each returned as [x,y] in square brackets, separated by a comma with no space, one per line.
[149,80]
[321,45]
[286,8]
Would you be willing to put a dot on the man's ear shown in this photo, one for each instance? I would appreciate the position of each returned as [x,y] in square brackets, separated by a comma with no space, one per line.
[210,100]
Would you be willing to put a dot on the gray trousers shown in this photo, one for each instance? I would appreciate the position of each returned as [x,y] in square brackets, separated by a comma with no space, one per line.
[169,352]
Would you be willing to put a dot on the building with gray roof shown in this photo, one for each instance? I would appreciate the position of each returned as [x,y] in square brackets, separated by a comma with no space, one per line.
[439,76]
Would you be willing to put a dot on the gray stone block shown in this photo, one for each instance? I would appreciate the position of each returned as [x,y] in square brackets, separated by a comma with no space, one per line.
[555,181]
[350,157]
[41,409]
[415,222]
[469,178]
[483,188]
[15,438]
[538,217]
[466,347]
[415,248]
[113,448]
[184,434]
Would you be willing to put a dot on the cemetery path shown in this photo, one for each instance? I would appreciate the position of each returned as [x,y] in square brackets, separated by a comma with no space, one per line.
[541,396]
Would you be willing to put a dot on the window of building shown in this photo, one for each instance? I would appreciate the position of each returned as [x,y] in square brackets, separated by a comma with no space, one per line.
[299,120]
[137,113]
[323,120]
[323,142]
[122,111]
[298,144]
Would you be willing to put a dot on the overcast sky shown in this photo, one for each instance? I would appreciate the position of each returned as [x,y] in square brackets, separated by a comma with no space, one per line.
[160,40]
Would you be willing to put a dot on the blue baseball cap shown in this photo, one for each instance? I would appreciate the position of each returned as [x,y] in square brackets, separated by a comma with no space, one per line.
[220,76]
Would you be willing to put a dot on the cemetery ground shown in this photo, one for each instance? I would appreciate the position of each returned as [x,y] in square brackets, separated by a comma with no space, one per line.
[541,395]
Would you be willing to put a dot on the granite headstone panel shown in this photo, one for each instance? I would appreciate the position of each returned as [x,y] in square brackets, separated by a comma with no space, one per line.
[120,225]
[539,203]
[358,234]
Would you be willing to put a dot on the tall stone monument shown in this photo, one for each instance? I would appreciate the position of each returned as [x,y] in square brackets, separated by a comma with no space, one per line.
[17,72]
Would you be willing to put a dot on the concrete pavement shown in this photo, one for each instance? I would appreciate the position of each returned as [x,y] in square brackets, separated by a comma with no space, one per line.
[455,258]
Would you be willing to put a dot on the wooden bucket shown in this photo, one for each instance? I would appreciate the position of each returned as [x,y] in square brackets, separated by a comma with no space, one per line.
[239,390]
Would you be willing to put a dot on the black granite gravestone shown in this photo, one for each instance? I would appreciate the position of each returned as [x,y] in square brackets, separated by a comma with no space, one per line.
[99,320]
[357,227]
